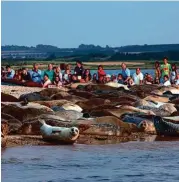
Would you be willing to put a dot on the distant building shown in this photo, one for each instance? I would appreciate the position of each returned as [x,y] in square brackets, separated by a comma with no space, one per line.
[23,55]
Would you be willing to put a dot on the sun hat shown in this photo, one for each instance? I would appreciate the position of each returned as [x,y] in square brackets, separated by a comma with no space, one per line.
[108,76]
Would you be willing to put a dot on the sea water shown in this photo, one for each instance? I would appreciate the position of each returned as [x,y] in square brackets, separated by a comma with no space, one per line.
[124,162]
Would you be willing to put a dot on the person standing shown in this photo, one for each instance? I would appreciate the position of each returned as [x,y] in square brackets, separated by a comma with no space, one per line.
[101,74]
[138,77]
[165,68]
[125,73]
[157,72]
[173,73]
[79,70]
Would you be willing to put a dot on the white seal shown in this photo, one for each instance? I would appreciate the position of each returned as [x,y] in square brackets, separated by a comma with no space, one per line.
[63,134]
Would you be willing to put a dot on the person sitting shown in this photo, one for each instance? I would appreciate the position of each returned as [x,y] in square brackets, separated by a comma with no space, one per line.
[177,79]
[79,70]
[57,72]
[138,77]
[95,80]
[75,79]
[130,82]
[114,79]
[3,72]
[65,77]
[107,78]
[120,79]
[166,80]
[50,72]
[125,73]
[101,74]
[148,79]
[70,78]
[57,82]
[10,72]
[17,75]
[46,81]
[157,80]
[25,76]
[36,73]
[87,75]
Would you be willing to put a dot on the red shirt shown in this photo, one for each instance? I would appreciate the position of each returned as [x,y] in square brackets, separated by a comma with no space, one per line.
[101,74]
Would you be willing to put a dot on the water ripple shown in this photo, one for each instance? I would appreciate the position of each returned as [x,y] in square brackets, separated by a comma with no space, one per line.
[132,161]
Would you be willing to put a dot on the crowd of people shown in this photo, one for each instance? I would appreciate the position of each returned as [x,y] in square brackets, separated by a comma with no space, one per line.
[165,74]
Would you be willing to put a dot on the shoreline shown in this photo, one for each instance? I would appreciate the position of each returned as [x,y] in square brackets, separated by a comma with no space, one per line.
[36,140]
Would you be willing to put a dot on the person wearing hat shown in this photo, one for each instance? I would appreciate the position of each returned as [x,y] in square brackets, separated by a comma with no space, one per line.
[79,70]
[107,78]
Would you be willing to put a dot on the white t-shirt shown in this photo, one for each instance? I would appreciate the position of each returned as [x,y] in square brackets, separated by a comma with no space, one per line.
[167,83]
[47,83]
[173,75]
[177,82]
[138,78]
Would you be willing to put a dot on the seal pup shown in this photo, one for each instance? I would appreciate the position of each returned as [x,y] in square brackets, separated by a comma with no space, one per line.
[60,134]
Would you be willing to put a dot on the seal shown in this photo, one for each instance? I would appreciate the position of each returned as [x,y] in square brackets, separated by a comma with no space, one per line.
[60,134]
[21,113]
[165,128]
[8,98]
[144,124]
[117,85]
[73,107]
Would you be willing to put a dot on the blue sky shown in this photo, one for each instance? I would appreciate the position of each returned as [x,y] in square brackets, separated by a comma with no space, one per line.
[68,24]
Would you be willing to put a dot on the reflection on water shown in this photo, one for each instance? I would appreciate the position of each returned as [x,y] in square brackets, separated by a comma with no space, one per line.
[131,161]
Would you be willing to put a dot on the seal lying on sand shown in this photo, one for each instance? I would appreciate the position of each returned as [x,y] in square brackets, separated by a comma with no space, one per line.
[52,103]
[21,113]
[163,110]
[109,126]
[35,96]
[69,115]
[8,98]
[84,94]
[144,125]
[120,111]
[157,98]
[68,106]
[117,85]
[86,105]
[165,128]
[60,134]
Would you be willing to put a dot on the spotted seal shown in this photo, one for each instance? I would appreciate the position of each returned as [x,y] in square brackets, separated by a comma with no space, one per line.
[61,134]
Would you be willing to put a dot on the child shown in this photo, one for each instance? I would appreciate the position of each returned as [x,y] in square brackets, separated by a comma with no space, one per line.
[57,81]
[46,81]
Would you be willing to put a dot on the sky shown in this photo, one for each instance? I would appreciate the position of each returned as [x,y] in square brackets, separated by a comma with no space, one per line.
[69,24]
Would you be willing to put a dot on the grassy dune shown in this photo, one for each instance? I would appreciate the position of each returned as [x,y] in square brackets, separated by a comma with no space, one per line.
[145,64]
